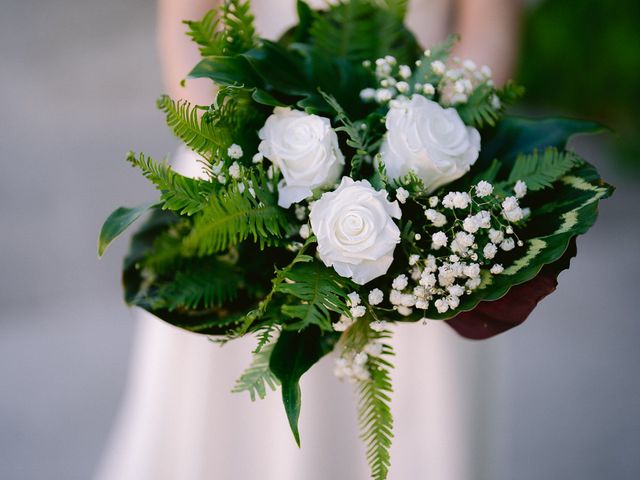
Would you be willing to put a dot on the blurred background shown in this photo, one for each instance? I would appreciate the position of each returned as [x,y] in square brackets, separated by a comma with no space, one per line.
[78,82]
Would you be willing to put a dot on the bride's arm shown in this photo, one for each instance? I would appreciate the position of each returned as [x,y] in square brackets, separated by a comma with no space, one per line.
[178,54]
[490,34]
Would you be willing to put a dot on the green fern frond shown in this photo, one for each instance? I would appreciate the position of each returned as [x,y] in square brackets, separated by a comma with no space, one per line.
[212,283]
[541,170]
[232,216]
[374,413]
[258,376]
[358,30]
[198,133]
[180,194]
[510,93]
[318,291]
[265,333]
[228,30]
[479,110]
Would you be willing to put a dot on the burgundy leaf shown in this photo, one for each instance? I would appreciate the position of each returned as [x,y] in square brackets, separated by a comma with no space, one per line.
[491,318]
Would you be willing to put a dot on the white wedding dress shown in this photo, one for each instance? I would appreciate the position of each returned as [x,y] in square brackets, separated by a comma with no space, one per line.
[179,420]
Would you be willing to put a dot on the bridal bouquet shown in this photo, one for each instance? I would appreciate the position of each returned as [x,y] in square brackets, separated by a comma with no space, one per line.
[351,179]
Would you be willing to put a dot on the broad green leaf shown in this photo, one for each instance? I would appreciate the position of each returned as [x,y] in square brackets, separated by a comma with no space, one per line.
[279,68]
[118,222]
[227,71]
[293,354]
[514,136]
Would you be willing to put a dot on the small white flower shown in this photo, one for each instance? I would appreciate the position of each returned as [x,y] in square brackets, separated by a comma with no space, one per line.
[422,304]
[469,65]
[354,299]
[507,244]
[301,212]
[509,230]
[471,270]
[436,218]
[234,170]
[510,203]
[486,71]
[433,201]
[402,195]
[470,224]
[358,311]
[222,179]
[395,297]
[496,269]
[417,236]
[514,215]
[376,296]
[428,280]
[404,311]
[520,189]
[257,158]
[438,67]
[402,87]
[439,240]
[235,151]
[360,358]
[404,71]
[473,283]
[378,325]
[373,349]
[496,104]
[496,236]
[383,95]
[413,259]
[456,290]
[367,94]
[453,302]
[483,189]
[441,305]
[489,251]
[305,231]
[400,282]
[428,89]
[465,240]
[343,324]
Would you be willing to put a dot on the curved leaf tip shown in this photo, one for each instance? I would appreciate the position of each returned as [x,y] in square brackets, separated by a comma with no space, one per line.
[118,222]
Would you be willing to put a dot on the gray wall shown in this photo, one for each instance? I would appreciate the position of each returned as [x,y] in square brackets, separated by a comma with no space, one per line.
[78,80]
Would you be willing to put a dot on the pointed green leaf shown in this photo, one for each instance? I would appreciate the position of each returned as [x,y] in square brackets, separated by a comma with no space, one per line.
[118,222]
[293,354]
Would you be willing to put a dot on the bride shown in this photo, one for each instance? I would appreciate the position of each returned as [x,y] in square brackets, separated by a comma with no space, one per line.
[179,420]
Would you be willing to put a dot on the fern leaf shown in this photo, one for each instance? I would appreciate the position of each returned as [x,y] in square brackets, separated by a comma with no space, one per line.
[180,194]
[258,376]
[439,52]
[374,413]
[232,216]
[479,110]
[319,291]
[209,284]
[540,170]
[198,132]
[228,30]
[359,30]
[357,138]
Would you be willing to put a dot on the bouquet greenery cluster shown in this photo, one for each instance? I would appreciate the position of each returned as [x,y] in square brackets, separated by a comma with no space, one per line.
[351,179]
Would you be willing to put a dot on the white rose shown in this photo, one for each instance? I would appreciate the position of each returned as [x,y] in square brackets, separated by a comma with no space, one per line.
[355,230]
[305,149]
[429,140]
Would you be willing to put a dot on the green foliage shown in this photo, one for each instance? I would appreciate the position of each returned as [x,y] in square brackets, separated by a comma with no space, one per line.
[295,353]
[358,30]
[225,31]
[235,214]
[318,291]
[541,170]
[118,222]
[198,133]
[358,138]
[479,109]
[180,194]
[439,52]
[207,284]
[374,412]
[258,376]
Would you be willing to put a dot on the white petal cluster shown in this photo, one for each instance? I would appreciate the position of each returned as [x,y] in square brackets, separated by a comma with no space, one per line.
[431,141]
[355,230]
[305,149]
[353,366]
